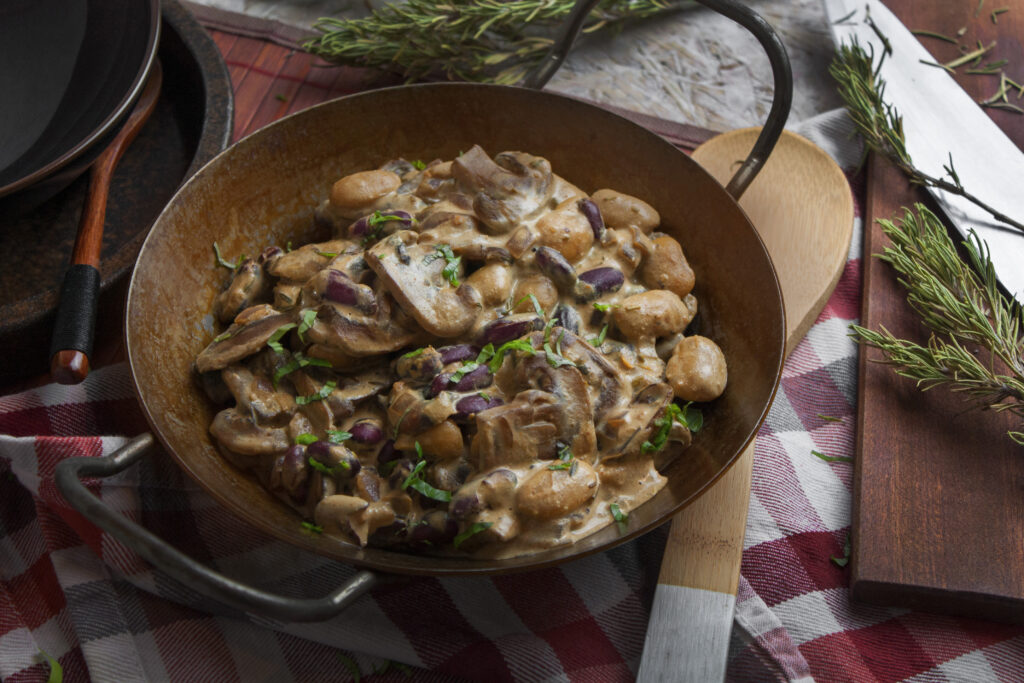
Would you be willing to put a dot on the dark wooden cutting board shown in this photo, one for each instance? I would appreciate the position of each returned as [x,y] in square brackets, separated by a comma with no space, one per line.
[938,513]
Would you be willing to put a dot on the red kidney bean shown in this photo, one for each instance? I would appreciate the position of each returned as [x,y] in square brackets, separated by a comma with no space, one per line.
[458,352]
[471,405]
[593,214]
[439,384]
[555,266]
[477,378]
[507,329]
[366,433]
[598,281]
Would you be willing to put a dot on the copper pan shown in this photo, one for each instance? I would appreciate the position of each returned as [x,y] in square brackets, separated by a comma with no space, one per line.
[263,190]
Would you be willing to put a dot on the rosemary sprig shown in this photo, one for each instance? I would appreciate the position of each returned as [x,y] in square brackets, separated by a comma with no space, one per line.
[960,302]
[475,40]
[881,126]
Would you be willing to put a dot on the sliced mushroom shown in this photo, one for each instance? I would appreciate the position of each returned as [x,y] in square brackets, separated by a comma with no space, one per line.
[255,394]
[238,433]
[422,290]
[357,335]
[242,339]
[303,263]
[507,189]
[247,286]
[553,493]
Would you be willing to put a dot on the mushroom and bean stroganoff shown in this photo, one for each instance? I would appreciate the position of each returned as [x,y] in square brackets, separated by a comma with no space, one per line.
[482,359]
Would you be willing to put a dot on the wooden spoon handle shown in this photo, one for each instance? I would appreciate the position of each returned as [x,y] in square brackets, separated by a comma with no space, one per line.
[75,325]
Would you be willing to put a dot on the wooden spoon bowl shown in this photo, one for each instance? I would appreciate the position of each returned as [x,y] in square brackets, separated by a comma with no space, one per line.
[802,208]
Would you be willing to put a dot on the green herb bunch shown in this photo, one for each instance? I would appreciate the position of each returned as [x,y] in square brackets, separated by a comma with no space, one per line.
[881,126]
[977,341]
[473,40]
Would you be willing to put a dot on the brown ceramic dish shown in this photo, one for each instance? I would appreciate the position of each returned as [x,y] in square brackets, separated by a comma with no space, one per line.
[264,189]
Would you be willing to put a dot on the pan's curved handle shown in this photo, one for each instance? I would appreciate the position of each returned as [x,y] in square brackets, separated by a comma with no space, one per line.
[782,97]
[178,565]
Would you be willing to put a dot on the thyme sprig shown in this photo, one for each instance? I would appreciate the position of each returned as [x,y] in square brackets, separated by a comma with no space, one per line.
[474,40]
[881,126]
[977,341]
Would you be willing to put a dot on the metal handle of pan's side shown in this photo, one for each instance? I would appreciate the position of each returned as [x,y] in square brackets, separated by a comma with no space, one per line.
[178,565]
[782,96]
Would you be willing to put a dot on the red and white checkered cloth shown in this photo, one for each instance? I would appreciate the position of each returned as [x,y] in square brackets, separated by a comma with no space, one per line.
[79,596]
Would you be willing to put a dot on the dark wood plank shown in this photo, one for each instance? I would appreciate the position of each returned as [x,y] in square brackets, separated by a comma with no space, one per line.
[939,490]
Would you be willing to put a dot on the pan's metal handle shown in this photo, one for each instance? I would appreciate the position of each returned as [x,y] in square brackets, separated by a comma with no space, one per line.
[178,565]
[782,97]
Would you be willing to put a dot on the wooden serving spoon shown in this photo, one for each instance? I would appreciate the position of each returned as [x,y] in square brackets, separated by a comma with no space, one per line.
[801,206]
[76,314]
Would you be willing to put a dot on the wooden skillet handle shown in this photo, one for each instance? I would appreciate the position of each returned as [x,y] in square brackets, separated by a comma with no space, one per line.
[75,325]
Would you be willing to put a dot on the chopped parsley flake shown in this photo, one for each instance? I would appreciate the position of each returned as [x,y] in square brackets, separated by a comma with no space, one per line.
[275,339]
[306,439]
[227,264]
[308,320]
[451,269]
[472,530]
[315,528]
[845,559]
[416,483]
[832,458]
[554,360]
[604,308]
[692,419]
[418,165]
[515,345]
[337,435]
[228,334]
[324,392]
[56,670]
[599,339]
[566,461]
[376,223]
[298,361]
[327,254]
[536,304]
[413,354]
[619,516]
[328,470]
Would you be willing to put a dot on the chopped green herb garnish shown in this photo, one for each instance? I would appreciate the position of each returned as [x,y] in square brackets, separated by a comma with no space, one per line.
[451,269]
[619,516]
[599,339]
[327,254]
[485,396]
[418,165]
[462,372]
[414,481]
[565,458]
[315,528]
[692,419]
[324,392]
[829,418]
[514,345]
[533,299]
[337,435]
[554,360]
[845,559]
[604,308]
[288,246]
[280,98]
[228,334]
[413,354]
[376,224]
[473,530]
[224,263]
[832,458]
[308,320]
[306,439]
[328,470]
[56,670]
[298,361]
[275,339]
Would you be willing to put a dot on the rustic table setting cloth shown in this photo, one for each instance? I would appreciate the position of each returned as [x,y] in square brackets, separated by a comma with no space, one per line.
[70,592]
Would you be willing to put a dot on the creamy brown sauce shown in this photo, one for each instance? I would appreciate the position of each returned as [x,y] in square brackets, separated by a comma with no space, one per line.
[474,363]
